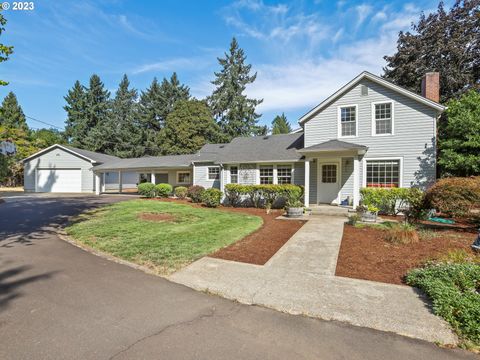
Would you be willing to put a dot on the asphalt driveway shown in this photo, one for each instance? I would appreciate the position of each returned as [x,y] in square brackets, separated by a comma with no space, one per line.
[57,301]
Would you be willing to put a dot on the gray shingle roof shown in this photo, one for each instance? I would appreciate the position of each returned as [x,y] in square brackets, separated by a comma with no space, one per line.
[169,161]
[98,157]
[334,145]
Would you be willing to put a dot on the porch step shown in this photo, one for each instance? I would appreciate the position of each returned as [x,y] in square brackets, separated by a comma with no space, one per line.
[330,210]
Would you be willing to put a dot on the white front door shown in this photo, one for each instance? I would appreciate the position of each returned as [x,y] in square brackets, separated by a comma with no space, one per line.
[328,182]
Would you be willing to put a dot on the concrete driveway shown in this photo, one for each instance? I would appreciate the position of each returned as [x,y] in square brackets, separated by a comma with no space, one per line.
[57,301]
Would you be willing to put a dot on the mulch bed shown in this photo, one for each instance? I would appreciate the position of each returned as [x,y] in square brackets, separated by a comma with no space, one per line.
[258,247]
[156,217]
[364,254]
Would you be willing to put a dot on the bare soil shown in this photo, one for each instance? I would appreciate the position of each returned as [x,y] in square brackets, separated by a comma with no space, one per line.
[156,217]
[364,254]
[258,247]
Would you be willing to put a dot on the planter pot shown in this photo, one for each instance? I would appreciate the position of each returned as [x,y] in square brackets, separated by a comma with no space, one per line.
[369,216]
[294,212]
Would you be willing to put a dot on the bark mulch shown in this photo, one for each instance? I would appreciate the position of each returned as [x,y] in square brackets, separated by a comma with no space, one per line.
[258,247]
[364,254]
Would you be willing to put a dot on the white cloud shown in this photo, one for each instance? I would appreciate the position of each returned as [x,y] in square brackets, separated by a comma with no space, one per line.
[175,64]
[362,11]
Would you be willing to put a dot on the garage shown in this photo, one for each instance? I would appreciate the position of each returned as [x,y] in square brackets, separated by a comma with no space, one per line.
[59,180]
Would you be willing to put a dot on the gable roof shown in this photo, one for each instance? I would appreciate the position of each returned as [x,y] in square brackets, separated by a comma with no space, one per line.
[91,156]
[168,161]
[378,80]
[334,145]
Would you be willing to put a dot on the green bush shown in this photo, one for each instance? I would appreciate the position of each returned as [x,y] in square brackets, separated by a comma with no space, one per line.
[454,291]
[234,193]
[146,189]
[163,190]
[212,197]
[455,196]
[262,195]
[392,201]
[181,192]
[195,193]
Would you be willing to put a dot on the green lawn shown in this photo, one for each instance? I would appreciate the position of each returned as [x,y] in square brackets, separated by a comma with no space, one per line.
[166,245]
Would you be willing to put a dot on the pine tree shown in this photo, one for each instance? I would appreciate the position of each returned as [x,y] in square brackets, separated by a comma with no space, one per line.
[75,125]
[188,127]
[444,42]
[11,113]
[96,120]
[5,51]
[151,122]
[171,92]
[122,128]
[280,125]
[234,112]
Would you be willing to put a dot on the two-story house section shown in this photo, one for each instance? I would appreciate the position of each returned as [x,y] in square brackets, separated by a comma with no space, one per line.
[370,133]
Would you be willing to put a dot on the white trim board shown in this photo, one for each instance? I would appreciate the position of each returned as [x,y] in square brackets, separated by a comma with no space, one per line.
[373,124]
[364,168]
[61,147]
[339,121]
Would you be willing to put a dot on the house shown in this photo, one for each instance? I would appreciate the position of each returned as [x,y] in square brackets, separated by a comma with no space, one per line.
[370,133]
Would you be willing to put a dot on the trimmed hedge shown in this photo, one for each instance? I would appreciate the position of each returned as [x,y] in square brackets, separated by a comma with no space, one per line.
[195,193]
[454,291]
[455,196]
[146,189]
[212,197]
[163,190]
[261,195]
[181,192]
[392,201]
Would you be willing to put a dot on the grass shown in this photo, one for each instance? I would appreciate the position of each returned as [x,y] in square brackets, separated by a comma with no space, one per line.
[164,246]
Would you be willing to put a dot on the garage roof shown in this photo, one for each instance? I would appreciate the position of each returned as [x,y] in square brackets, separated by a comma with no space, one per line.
[91,156]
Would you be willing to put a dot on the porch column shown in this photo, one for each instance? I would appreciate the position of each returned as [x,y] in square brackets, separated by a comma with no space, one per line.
[307,183]
[103,182]
[153,178]
[356,181]
[97,184]
[120,182]
[222,180]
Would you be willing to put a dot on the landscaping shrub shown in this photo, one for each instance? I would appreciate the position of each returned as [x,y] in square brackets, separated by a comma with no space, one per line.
[401,234]
[195,193]
[455,196]
[146,189]
[212,197]
[261,195]
[392,201]
[454,291]
[181,192]
[234,193]
[163,190]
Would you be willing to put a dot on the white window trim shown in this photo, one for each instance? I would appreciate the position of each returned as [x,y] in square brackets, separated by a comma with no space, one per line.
[339,121]
[292,172]
[364,168]
[275,172]
[184,172]
[208,172]
[230,173]
[374,127]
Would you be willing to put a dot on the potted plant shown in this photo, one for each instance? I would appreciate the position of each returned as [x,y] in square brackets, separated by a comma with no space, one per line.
[293,204]
[368,213]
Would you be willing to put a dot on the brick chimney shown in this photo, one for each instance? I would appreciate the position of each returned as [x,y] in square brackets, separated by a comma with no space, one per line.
[431,86]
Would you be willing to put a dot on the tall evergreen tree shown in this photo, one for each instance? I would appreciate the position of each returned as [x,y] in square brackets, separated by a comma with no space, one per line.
[5,51]
[171,91]
[75,125]
[96,120]
[234,112]
[11,113]
[442,41]
[122,128]
[150,118]
[188,127]
[280,125]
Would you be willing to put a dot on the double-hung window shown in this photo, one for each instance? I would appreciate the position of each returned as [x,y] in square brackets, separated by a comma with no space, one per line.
[213,173]
[183,177]
[284,174]
[234,174]
[266,174]
[348,121]
[383,173]
[383,119]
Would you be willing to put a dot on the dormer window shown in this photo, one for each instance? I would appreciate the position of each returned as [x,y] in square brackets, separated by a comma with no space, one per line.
[347,121]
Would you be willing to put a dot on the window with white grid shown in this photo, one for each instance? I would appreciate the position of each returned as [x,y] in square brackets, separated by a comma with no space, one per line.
[348,121]
[383,173]
[383,118]
[266,174]
[234,174]
[284,174]
[213,173]
[329,174]
[183,177]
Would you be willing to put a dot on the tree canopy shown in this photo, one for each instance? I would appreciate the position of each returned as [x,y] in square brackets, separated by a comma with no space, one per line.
[280,125]
[5,50]
[442,41]
[11,114]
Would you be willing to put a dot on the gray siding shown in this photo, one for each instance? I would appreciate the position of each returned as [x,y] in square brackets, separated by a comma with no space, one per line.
[414,131]
[347,178]
[247,174]
[60,159]
[201,176]
[299,173]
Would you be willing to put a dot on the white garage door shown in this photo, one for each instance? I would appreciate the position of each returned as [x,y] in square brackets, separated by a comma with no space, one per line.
[59,180]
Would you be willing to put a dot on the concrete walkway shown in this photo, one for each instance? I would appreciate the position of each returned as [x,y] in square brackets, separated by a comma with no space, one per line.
[299,279]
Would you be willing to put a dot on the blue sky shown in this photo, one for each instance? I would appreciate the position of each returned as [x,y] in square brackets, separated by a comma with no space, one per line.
[302,50]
